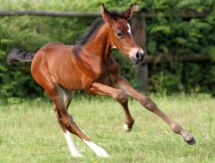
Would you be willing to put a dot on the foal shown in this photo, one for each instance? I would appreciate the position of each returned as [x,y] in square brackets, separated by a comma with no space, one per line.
[61,69]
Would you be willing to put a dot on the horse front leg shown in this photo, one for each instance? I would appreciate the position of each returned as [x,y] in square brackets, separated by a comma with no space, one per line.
[128,120]
[119,95]
[151,106]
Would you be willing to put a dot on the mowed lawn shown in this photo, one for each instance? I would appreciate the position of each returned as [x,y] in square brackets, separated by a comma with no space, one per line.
[29,131]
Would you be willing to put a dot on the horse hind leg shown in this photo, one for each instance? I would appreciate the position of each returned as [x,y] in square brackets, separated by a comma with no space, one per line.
[57,96]
[71,126]
[72,147]
[61,104]
[44,79]
[75,130]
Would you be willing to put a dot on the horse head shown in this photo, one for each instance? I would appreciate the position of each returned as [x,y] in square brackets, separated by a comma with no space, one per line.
[121,35]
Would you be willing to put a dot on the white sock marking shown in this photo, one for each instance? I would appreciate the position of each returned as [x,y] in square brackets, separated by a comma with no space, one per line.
[72,147]
[98,150]
[125,126]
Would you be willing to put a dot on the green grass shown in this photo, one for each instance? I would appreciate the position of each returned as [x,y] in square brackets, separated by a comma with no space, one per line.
[29,131]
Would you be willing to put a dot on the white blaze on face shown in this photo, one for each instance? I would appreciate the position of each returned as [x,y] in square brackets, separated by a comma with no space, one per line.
[133,51]
[129,29]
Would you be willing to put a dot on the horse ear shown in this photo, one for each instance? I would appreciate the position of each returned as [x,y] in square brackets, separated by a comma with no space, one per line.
[128,13]
[107,16]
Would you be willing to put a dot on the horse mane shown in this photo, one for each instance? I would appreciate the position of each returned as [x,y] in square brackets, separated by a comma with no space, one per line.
[87,35]
[91,30]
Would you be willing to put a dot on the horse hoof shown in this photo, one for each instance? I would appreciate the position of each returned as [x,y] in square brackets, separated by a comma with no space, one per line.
[77,155]
[126,128]
[101,152]
[189,138]
[192,141]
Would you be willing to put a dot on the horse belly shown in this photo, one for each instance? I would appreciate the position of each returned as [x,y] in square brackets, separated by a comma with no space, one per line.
[69,80]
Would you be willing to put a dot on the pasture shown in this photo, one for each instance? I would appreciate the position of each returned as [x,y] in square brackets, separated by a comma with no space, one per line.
[29,131]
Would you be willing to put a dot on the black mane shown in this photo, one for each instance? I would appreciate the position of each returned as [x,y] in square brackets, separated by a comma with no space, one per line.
[86,36]
[90,31]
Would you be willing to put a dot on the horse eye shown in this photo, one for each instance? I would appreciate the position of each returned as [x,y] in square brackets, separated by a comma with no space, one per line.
[119,34]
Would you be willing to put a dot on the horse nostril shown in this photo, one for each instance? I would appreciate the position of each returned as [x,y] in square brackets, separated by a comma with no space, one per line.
[138,55]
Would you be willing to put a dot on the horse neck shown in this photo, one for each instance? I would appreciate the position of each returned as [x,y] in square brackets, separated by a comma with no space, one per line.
[100,44]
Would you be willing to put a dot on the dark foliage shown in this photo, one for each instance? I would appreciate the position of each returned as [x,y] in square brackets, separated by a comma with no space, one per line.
[168,32]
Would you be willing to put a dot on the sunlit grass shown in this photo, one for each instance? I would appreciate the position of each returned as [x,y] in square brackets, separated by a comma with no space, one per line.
[29,131]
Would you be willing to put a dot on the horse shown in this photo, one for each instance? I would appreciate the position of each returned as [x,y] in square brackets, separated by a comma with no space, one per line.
[61,69]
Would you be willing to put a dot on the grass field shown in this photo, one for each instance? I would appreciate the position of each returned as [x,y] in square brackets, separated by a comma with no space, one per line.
[29,131]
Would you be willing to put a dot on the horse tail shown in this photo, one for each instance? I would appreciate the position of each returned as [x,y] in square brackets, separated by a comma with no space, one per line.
[16,55]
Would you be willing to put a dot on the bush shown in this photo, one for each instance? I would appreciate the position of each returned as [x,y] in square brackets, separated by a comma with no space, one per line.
[166,33]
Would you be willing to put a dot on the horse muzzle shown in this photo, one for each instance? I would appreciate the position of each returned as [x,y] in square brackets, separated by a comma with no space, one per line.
[137,57]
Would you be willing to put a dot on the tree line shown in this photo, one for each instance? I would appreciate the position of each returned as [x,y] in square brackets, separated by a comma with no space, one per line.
[167,33]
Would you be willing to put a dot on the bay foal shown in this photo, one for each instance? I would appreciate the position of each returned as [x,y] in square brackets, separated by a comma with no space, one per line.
[61,69]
